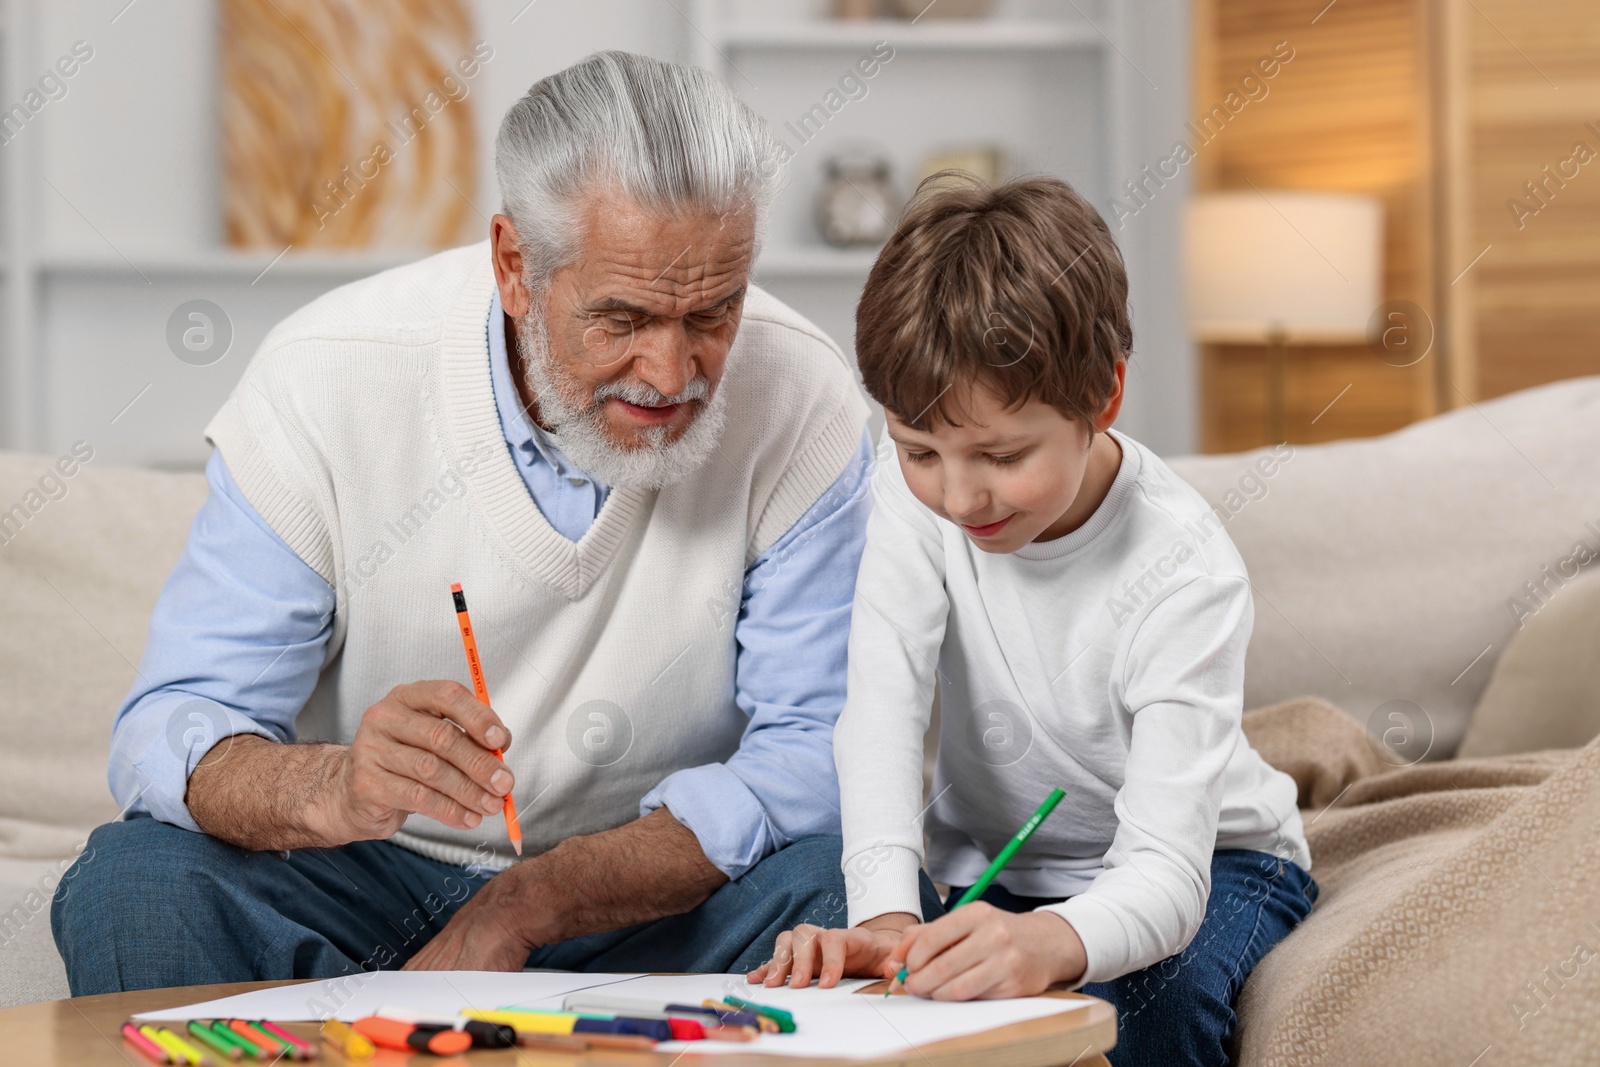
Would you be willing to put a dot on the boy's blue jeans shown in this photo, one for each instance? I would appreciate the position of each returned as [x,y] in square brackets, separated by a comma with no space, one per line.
[149,905]
[1180,1011]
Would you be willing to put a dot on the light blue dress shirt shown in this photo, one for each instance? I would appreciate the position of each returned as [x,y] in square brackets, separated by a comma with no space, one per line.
[240,635]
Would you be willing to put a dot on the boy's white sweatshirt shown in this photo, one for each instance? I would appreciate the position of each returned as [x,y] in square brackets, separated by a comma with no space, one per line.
[1109,662]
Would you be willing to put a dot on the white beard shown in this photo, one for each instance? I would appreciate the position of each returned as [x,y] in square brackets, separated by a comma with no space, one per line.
[578,425]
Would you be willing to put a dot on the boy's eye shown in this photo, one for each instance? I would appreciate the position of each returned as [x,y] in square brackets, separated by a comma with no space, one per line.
[918,457]
[1002,460]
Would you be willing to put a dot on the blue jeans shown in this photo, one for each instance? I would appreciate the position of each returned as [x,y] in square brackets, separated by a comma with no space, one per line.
[1180,1011]
[150,905]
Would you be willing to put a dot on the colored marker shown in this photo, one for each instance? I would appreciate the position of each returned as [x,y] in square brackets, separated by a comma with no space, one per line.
[977,888]
[180,1050]
[270,1046]
[208,1038]
[584,1042]
[784,1020]
[302,1049]
[133,1036]
[483,1034]
[648,1008]
[566,1022]
[244,1044]
[763,1023]
[407,1037]
[481,689]
[347,1041]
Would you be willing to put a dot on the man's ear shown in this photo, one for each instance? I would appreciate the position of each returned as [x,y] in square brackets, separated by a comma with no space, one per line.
[1113,405]
[505,249]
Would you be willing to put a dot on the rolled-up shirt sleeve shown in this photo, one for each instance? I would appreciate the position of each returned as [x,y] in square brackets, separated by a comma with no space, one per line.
[792,633]
[236,644]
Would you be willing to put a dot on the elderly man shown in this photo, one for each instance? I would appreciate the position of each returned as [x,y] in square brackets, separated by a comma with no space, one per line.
[650,478]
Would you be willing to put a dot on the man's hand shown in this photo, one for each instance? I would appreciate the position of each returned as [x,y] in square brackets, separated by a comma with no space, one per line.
[979,952]
[491,932]
[644,870]
[427,747]
[830,954]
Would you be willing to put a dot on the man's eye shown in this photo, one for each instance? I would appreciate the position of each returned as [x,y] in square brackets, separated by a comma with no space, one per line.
[614,321]
[710,320]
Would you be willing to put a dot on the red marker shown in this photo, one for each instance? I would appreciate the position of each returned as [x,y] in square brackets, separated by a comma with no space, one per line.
[481,690]
[687,1030]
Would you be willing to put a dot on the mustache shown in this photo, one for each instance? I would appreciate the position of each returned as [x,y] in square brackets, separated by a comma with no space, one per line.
[645,395]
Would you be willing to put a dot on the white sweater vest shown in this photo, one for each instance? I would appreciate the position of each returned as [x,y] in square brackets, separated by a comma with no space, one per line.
[365,432]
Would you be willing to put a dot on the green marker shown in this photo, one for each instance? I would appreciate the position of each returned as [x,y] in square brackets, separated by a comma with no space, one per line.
[999,864]
[206,1036]
[223,1031]
[784,1019]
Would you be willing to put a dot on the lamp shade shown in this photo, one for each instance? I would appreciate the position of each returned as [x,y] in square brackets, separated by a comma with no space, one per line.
[1303,266]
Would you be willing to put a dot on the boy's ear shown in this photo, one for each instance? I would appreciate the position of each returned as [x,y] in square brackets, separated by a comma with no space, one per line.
[1113,405]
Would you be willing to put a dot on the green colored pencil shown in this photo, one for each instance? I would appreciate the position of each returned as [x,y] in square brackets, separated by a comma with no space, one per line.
[227,1033]
[206,1036]
[998,865]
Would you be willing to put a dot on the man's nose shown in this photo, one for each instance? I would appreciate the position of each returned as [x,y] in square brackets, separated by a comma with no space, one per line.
[662,360]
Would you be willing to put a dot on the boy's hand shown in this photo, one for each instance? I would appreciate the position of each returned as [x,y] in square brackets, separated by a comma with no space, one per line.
[979,952]
[807,950]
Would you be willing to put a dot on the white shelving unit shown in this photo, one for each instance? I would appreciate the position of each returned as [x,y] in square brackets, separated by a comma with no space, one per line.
[1039,80]
[955,35]
[228,264]
[110,197]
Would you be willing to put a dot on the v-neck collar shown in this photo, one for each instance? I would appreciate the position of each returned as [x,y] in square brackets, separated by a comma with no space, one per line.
[472,428]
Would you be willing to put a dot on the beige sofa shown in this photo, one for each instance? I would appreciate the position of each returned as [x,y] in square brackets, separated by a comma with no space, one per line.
[1386,573]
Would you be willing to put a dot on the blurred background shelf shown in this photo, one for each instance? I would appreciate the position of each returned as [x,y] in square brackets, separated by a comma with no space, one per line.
[931,35]
[224,264]
[111,197]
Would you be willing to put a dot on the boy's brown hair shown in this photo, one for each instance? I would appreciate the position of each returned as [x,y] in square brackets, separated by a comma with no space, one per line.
[1019,288]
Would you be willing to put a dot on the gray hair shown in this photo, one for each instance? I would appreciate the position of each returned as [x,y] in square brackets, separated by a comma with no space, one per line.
[667,136]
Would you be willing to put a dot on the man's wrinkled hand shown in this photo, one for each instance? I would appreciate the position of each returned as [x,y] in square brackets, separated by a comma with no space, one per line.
[490,932]
[426,748]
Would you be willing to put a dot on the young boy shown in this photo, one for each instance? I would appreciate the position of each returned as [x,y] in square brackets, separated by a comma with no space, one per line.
[1085,618]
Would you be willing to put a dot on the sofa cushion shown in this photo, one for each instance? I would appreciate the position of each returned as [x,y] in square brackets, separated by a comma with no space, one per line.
[82,560]
[1391,572]
[1545,690]
[30,967]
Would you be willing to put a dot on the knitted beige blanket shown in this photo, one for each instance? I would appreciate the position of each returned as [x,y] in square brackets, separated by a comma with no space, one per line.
[1459,916]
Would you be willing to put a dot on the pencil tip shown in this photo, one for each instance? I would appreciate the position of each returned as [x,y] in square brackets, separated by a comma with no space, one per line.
[518,846]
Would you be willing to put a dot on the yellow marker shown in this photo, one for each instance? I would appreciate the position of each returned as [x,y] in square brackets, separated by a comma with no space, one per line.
[347,1041]
[179,1049]
[527,1021]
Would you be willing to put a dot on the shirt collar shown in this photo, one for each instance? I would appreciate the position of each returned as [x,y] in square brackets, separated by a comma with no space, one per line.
[524,435]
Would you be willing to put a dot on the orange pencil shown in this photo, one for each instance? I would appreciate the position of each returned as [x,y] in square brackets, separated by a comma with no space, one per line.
[513,828]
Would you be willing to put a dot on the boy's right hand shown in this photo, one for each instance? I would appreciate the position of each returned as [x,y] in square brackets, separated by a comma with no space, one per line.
[830,954]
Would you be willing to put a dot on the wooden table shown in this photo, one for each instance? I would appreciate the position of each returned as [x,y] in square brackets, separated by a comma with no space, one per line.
[84,1032]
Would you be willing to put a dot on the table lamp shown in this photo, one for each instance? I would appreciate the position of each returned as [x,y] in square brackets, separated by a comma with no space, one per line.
[1281,268]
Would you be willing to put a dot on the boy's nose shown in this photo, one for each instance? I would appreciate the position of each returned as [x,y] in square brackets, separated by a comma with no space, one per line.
[964,502]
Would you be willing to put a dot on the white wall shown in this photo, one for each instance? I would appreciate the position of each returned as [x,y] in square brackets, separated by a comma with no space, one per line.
[112,213]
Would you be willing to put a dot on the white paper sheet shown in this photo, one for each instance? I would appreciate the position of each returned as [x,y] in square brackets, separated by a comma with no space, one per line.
[432,992]
[839,1022]
[830,1022]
